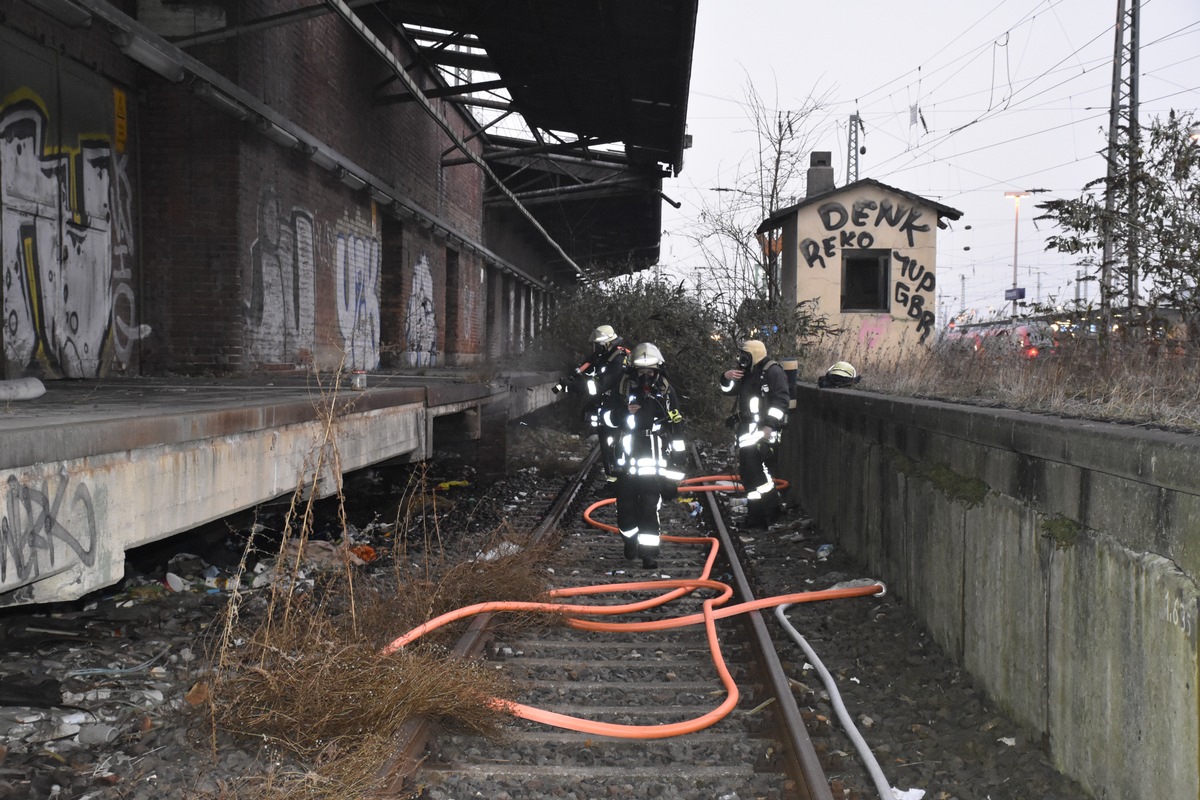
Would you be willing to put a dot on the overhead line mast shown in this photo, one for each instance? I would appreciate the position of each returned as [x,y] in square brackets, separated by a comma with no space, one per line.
[1124,137]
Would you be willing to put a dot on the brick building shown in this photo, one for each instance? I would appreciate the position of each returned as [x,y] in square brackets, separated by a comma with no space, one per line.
[230,187]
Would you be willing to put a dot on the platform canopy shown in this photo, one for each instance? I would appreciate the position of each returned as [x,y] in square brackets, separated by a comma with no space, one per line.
[581,105]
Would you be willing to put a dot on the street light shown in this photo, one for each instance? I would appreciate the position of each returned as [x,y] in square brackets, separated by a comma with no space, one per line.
[1016,196]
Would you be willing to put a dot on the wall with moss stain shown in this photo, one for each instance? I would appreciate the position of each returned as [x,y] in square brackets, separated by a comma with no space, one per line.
[1057,560]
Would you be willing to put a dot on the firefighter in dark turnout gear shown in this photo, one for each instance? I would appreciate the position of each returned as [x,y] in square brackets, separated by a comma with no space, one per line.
[761,387]
[644,417]
[596,379]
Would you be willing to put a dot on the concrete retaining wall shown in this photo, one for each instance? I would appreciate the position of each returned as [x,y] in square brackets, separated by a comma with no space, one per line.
[1056,560]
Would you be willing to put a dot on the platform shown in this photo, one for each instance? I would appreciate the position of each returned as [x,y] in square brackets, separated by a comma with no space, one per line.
[93,468]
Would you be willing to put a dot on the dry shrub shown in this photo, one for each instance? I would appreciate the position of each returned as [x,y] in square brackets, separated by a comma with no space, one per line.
[1129,382]
[313,684]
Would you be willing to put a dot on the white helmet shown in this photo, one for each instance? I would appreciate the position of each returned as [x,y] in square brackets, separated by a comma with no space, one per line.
[842,373]
[604,334]
[646,355]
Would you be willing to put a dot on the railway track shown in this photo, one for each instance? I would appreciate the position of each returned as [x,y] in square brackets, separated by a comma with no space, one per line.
[617,699]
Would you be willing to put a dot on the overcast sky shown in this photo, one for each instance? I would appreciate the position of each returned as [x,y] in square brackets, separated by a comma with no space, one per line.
[1012,94]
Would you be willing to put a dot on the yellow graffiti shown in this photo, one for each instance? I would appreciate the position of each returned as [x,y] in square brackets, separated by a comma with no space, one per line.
[35,304]
[27,95]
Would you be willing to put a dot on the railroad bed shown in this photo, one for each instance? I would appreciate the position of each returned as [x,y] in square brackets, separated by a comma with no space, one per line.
[635,678]
[932,734]
[930,728]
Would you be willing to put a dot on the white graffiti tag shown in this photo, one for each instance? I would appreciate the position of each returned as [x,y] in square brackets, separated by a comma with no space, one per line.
[57,261]
[356,272]
[420,326]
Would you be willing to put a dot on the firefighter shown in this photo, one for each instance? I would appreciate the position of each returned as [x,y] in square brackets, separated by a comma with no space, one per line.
[597,378]
[763,397]
[644,417]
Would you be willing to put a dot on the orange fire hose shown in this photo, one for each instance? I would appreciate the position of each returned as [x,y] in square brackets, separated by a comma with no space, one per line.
[713,609]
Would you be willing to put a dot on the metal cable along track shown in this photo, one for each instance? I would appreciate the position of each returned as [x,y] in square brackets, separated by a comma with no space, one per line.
[657,672]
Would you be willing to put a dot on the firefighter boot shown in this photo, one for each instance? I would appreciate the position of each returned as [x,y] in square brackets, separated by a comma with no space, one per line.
[631,547]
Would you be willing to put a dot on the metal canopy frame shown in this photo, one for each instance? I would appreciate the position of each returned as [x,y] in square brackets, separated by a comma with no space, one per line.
[581,106]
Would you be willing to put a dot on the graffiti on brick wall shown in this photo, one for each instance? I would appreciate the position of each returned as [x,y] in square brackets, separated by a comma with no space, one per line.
[66,267]
[356,271]
[126,331]
[420,323]
[280,305]
[43,531]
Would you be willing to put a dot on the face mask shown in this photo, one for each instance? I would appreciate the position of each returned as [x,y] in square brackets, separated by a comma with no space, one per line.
[598,348]
[745,361]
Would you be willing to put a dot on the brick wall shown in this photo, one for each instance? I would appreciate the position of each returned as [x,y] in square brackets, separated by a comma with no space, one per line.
[249,256]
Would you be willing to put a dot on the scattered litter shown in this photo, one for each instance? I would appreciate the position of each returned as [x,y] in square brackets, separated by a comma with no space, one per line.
[907,794]
[824,551]
[365,552]
[855,680]
[96,733]
[116,670]
[321,554]
[175,583]
[1008,740]
[504,549]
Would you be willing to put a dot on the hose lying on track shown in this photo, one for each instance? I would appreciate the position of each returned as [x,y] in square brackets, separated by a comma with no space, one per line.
[713,609]
[864,752]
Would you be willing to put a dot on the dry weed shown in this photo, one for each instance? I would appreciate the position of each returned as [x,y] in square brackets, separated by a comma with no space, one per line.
[299,668]
[1125,382]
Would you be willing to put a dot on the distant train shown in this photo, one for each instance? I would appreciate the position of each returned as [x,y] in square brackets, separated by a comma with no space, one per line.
[1028,339]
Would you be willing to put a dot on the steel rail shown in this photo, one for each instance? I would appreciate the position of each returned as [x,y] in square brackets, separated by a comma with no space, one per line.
[803,764]
[410,741]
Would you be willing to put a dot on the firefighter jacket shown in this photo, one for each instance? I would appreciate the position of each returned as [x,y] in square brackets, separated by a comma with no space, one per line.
[603,373]
[599,375]
[763,398]
[644,417]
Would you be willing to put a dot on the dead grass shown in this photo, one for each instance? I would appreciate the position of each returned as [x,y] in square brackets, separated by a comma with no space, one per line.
[1129,383]
[298,668]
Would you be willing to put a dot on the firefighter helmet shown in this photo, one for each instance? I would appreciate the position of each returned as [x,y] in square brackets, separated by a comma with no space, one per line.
[646,355]
[756,350]
[842,373]
[604,335]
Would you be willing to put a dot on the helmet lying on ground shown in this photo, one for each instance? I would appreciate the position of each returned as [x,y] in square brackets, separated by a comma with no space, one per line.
[842,373]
